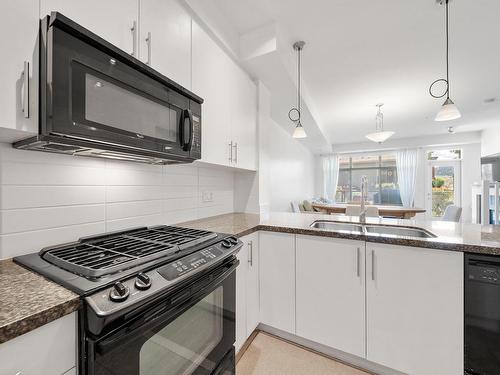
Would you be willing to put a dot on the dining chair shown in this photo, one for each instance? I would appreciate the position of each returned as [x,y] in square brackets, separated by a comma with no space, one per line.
[452,213]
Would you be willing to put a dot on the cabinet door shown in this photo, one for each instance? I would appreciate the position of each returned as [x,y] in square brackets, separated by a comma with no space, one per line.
[253,303]
[18,96]
[331,292]
[165,39]
[241,298]
[415,309]
[112,20]
[211,81]
[244,120]
[277,280]
[50,349]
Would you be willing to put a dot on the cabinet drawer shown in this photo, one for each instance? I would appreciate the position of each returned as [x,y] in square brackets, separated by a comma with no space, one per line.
[48,350]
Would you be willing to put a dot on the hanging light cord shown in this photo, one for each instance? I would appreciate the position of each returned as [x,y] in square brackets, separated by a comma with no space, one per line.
[447,80]
[297,109]
[298,79]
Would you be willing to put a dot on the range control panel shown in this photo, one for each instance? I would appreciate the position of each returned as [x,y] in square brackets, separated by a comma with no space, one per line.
[488,274]
[189,263]
[133,289]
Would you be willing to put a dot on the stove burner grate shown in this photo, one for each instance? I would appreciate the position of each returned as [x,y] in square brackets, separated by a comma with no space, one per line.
[98,256]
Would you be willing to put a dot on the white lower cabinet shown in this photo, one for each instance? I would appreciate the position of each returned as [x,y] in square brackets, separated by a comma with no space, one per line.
[415,309]
[247,289]
[331,292]
[48,350]
[277,280]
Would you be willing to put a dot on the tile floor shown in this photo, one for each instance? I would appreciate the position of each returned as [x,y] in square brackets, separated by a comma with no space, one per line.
[268,355]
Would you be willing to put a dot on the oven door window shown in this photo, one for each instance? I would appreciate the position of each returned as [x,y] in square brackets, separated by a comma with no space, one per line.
[183,346]
[121,108]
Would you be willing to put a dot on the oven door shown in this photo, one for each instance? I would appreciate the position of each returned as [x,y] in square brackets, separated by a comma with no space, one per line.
[191,332]
[93,95]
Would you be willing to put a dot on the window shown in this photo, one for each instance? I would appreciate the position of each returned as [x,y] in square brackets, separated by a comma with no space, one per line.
[382,179]
[444,155]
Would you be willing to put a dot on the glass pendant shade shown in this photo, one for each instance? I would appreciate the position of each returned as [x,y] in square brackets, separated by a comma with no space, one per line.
[449,111]
[299,131]
[380,137]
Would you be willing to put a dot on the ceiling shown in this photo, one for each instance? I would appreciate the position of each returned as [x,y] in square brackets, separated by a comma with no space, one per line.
[360,53]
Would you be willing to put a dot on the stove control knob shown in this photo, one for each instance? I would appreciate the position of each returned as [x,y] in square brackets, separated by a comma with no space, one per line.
[143,281]
[119,292]
[233,240]
[226,244]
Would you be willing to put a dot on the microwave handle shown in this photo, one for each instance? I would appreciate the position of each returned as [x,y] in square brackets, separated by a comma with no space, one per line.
[187,139]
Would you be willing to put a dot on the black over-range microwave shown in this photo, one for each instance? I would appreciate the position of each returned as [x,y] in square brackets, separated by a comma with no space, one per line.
[97,100]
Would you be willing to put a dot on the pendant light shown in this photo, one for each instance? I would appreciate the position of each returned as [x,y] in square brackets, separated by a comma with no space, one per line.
[449,110]
[380,135]
[295,113]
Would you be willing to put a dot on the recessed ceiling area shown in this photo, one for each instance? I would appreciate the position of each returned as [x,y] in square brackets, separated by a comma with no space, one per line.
[360,53]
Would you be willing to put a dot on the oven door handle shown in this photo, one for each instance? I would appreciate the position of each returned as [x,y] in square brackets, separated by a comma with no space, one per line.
[162,314]
[186,139]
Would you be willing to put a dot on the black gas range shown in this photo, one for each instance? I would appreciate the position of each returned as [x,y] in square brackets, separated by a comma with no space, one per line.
[156,300]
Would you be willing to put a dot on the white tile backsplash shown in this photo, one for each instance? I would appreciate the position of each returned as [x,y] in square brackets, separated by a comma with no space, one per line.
[48,199]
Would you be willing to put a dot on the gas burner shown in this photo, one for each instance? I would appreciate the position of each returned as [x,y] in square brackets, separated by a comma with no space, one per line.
[98,256]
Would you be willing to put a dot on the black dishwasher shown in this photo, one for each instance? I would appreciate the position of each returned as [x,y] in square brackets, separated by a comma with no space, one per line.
[482,314]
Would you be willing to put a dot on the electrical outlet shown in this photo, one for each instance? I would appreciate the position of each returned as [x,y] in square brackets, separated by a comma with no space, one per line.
[207,196]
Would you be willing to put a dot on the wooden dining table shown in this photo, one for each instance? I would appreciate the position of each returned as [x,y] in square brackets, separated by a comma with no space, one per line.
[399,212]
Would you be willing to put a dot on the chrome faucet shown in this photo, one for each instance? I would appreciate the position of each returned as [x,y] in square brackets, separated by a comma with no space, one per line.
[364,196]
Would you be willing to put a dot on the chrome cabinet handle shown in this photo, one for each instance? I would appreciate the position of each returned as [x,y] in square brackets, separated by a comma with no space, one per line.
[373,265]
[148,42]
[133,29]
[26,90]
[230,151]
[235,153]
[358,265]
[250,253]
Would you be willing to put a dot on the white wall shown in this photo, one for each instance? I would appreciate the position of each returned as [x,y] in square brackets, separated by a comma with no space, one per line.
[490,141]
[48,199]
[286,167]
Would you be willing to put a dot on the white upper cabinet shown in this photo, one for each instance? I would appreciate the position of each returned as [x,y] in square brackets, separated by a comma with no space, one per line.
[229,113]
[18,96]
[211,81]
[415,309]
[244,121]
[331,292]
[113,20]
[165,39]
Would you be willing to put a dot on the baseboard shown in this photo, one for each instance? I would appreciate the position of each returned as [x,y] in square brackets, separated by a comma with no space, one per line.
[246,344]
[338,355]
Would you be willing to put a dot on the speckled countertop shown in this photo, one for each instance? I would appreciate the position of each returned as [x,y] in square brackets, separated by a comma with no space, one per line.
[28,300]
[470,238]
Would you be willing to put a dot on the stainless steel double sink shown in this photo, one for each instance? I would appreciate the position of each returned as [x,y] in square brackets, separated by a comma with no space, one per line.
[391,231]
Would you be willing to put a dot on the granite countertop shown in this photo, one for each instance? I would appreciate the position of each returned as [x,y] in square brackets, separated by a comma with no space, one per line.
[28,300]
[472,238]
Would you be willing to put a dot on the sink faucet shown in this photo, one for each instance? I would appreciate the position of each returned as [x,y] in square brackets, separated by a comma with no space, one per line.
[364,195]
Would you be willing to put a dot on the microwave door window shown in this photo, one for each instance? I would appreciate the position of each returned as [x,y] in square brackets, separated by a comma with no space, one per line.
[183,346]
[114,106]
